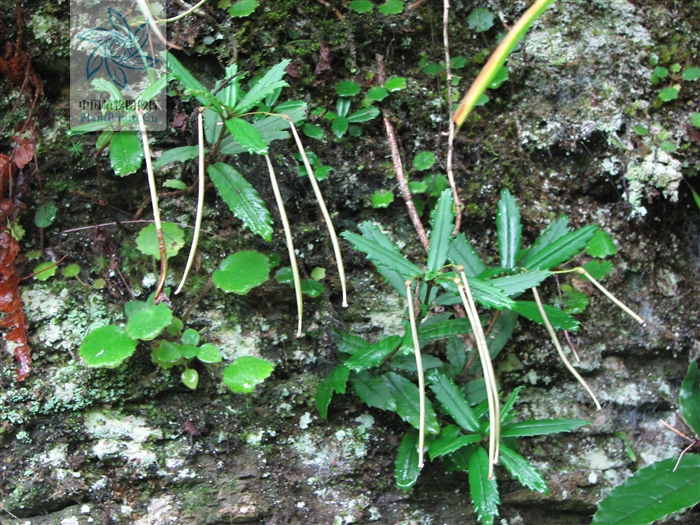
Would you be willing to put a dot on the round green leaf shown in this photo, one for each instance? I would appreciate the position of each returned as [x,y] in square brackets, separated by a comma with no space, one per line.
[601,245]
[395,84]
[668,94]
[695,119]
[147,240]
[311,288]
[641,131]
[71,270]
[391,7]
[208,353]
[175,184]
[317,274]
[668,146]
[661,71]
[106,347]
[190,337]
[189,351]
[382,199]
[246,372]
[166,354]
[242,8]
[361,6]
[190,378]
[312,131]
[285,275]
[45,271]
[347,88]
[692,73]
[149,321]
[480,20]
[242,271]
[377,93]
[424,160]
[45,215]
[175,326]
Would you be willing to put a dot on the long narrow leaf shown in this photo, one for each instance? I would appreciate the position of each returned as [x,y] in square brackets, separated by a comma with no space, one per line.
[689,397]
[541,427]
[453,401]
[442,222]
[406,470]
[522,470]
[484,491]
[374,355]
[562,249]
[520,282]
[449,440]
[509,229]
[450,327]
[652,493]
[242,199]
[373,391]
[335,381]
[560,320]
[250,138]
[181,154]
[407,403]
[263,87]
[183,75]
[556,229]
[462,252]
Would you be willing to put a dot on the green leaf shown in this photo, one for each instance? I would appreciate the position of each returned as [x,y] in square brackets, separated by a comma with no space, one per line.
[506,414]
[242,271]
[601,245]
[689,398]
[312,131]
[311,288]
[452,400]
[152,90]
[190,337]
[149,321]
[520,282]
[373,391]
[652,493]
[243,8]
[182,154]
[106,347]
[188,351]
[442,222]
[45,214]
[242,199]
[361,6]
[391,7]
[561,250]
[382,198]
[668,94]
[208,353]
[339,126]
[499,78]
[428,331]
[695,119]
[183,75]
[642,131]
[553,232]
[350,343]
[668,146]
[541,427]
[480,20]
[574,302]
[424,160]
[661,71]
[45,271]
[463,253]
[363,115]
[245,373]
[377,93]
[509,229]
[125,153]
[598,269]
[173,236]
[166,354]
[384,254]
[484,293]
[374,355]
[263,87]
[558,319]
[247,136]
[484,491]
[174,184]
[395,84]
[335,381]
[347,89]
[405,393]
[449,440]
[692,73]
[190,378]
[406,469]
[522,470]
[72,270]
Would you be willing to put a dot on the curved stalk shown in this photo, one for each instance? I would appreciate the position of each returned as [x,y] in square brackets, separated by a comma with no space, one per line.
[610,296]
[290,243]
[419,371]
[487,367]
[324,210]
[200,203]
[560,350]
[159,294]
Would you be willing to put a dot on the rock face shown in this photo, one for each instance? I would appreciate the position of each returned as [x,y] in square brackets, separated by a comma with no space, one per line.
[132,445]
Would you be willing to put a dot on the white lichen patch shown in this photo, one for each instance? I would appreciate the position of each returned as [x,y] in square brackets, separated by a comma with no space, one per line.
[658,171]
[332,455]
[160,511]
[121,437]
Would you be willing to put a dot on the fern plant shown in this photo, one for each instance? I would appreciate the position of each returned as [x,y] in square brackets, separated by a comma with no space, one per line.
[461,422]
